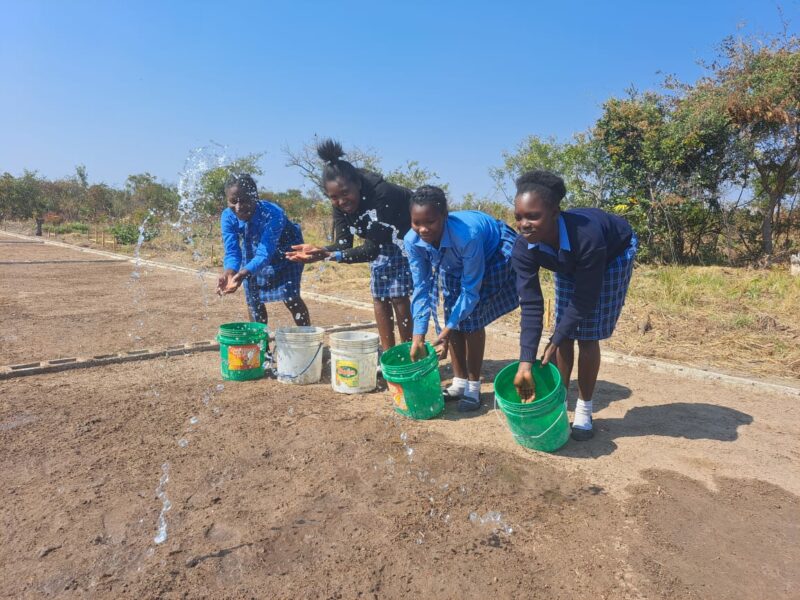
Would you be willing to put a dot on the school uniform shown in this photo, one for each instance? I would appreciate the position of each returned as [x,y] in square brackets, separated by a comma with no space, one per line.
[382,219]
[473,266]
[260,245]
[593,267]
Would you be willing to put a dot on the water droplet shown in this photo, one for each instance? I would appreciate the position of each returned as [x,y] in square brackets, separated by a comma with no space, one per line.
[183,442]
[194,420]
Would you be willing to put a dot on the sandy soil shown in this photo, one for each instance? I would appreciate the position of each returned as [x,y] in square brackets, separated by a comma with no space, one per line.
[56,303]
[689,490]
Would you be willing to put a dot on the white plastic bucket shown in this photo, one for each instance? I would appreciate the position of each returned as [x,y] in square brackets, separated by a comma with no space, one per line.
[298,352]
[354,361]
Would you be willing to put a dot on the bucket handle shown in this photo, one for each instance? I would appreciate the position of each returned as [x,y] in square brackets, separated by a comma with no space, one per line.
[301,373]
[532,437]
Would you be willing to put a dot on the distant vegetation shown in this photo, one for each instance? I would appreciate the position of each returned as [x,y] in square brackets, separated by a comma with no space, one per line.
[707,172]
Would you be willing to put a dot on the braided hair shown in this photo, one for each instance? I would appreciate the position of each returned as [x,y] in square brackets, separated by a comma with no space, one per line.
[244,182]
[430,195]
[331,153]
[548,186]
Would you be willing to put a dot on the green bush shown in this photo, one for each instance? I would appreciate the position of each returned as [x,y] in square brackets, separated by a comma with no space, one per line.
[128,233]
[74,227]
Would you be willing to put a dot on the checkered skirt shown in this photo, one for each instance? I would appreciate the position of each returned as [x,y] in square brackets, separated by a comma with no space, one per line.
[281,282]
[498,293]
[390,275]
[600,324]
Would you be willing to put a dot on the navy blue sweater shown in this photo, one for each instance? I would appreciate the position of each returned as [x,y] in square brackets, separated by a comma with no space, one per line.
[595,239]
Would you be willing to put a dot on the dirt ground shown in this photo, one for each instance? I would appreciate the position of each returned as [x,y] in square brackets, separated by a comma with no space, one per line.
[689,489]
[59,303]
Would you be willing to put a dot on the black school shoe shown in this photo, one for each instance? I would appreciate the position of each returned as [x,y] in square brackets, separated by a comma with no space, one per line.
[582,435]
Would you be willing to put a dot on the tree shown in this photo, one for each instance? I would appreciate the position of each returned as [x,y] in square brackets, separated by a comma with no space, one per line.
[212,182]
[146,194]
[581,163]
[755,86]
[310,165]
[412,175]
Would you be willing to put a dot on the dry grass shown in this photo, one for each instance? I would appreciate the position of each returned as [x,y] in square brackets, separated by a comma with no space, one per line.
[744,321]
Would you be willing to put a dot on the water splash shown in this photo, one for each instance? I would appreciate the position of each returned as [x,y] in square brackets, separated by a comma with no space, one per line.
[493,519]
[161,493]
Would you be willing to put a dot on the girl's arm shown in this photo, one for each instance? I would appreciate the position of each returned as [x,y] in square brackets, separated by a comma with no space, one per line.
[268,243]
[230,241]
[531,302]
[474,264]
[422,274]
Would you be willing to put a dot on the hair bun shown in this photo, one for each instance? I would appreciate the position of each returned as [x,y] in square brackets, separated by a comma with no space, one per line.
[330,151]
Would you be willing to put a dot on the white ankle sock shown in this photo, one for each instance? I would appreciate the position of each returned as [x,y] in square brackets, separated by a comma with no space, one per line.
[458,387]
[473,389]
[583,414]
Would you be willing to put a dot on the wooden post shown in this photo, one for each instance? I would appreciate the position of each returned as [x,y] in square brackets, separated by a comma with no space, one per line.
[547,317]
[104,238]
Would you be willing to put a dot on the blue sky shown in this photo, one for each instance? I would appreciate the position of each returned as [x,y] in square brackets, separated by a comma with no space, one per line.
[128,87]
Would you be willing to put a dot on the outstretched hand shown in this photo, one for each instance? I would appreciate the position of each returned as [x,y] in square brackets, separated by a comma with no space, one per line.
[307,253]
[230,281]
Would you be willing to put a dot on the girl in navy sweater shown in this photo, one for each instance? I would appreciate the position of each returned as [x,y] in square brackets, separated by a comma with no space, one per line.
[591,253]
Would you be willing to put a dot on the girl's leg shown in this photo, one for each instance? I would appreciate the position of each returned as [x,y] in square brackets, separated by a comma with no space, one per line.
[476,344]
[565,358]
[299,310]
[471,348]
[458,354]
[588,367]
[385,319]
[402,315]
[259,314]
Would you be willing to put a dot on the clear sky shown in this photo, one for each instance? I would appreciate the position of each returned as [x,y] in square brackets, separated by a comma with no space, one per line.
[128,87]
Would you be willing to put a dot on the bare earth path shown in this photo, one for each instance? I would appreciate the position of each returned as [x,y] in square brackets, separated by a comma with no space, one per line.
[689,490]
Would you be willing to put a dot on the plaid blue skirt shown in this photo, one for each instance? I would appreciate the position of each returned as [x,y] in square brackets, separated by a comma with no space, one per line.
[498,294]
[390,275]
[600,324]
[280,280]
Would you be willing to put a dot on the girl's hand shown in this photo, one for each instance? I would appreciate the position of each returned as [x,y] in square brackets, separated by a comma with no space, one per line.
[549,351]
[418,350]
[307,253]
[235,281]
[524,382]
[442,343]
[225,281]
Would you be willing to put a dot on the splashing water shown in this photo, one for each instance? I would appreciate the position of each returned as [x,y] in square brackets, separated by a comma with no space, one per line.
[492,518]
[161,493]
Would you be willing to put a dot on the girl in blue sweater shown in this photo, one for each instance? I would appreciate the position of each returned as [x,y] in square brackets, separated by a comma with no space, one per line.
[256,235]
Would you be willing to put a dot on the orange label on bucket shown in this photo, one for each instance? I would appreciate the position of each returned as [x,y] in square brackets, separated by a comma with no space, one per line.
[397,395]
[242,358]
[347,373]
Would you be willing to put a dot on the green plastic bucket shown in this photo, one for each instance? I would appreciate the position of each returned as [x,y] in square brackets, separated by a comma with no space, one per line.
[539,425]
[241,350]
[415,386]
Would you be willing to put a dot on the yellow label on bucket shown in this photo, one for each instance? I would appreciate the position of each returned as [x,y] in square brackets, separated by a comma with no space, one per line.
[347,373]
[397,394]
[242,358]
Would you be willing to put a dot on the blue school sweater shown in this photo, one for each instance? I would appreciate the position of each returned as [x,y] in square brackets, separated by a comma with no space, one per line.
[589,239]
[469,239]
